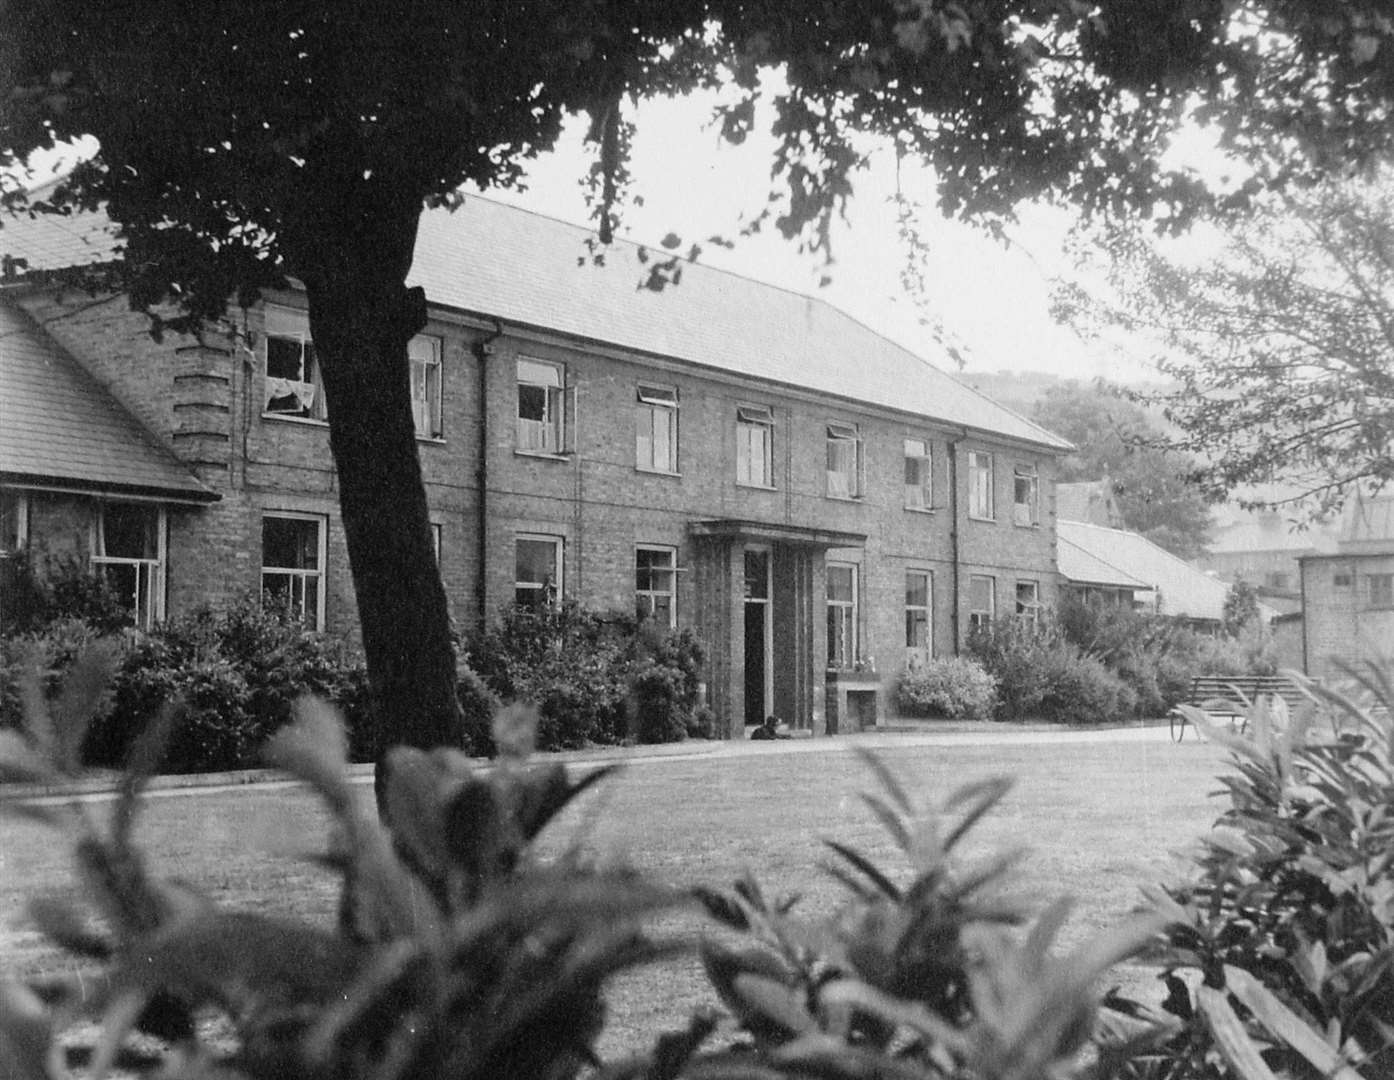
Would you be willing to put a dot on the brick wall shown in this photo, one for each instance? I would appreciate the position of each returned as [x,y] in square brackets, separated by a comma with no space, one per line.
[1341,620]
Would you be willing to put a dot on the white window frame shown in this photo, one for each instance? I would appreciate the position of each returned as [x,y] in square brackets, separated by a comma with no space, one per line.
[982,618]
[1026,479]
[923,611]
[556,589]
[981,493]
[298,577]
[424,357]
[306,389]
[655,411]
[753,421]
[20,502]
[554,435]
[843,440]
[644,598]
[847,618]
[147,601]
[919,495]
[1028,611]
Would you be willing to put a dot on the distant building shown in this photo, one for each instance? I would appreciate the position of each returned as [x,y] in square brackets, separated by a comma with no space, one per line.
[1263,548]
[1348,593]
[1124,567]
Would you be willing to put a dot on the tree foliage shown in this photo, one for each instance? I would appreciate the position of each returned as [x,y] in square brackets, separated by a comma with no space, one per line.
[1117,441]
[1280,344]
[245,144]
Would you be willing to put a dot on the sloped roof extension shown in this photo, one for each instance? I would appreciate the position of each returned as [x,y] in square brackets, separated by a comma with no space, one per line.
[59,427]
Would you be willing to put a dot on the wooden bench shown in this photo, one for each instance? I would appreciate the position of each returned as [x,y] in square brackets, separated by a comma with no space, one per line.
[1231,696]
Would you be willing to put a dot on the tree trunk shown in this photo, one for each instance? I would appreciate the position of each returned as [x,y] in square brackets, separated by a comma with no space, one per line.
[354,266]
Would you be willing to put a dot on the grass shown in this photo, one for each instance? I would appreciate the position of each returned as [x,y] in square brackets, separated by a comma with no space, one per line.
[1098,817]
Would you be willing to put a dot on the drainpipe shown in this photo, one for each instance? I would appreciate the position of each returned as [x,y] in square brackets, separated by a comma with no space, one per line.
[483,349]
[954,554]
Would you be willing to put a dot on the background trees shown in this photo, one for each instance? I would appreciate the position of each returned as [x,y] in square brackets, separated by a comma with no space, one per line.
[1116,440]
[246,143]
[1280,341]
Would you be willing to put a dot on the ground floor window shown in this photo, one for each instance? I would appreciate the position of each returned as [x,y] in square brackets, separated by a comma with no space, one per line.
[655,584]
[14,521]
[128,553]
[982,602]
[292,565]
[842,615]
[919,593]
[537,573]
[1028,604]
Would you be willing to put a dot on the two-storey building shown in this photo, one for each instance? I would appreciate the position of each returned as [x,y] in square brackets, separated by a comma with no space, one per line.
[819,504]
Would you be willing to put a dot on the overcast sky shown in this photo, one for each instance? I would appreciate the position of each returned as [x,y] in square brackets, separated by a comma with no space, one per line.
[993,299]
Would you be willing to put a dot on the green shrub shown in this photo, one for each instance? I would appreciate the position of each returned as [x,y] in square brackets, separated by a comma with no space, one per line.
[59,590]
[954,687]
[49,652]
[237,672]
[595,678]
[1286,932]
[1078,689]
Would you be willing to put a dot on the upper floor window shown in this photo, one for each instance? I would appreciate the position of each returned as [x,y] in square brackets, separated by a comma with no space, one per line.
[656,429]
[982,602]
[755,446]
[844,461]
[919,597]
[1026,495]
[546,407]
[424,355]
[655,584]
[14,522]
[919,475]
[128,553]
[537,571]
[980,485]
[292,565]
[1381,590]
[1028,604]
[294,386]
[842,615]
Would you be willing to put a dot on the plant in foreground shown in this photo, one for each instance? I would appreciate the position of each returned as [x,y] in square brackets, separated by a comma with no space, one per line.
[457,955]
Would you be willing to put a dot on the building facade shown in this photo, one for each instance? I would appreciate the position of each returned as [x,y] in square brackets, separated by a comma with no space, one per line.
[819,505]
[1348,593]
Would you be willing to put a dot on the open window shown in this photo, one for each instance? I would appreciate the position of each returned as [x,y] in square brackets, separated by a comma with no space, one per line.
[980,486]
[656,429]
[1026,495]
[293,386]
[546,409]
[755,446]
[128,553]
[919,475]
[1028,604]
[844,454]
[919,610]
[982,602]
[424,354]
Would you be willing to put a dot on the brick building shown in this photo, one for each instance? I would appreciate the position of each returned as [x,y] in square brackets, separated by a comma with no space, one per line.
[1348,593]
[819,504]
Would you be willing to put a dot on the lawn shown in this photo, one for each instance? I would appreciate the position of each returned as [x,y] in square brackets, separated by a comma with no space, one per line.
[1098,818]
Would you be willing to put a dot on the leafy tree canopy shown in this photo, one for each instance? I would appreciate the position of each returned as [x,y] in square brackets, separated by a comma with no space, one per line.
[1279,343]
[1116,440]
[243,142]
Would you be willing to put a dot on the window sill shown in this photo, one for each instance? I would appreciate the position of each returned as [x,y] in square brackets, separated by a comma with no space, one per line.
[657,472]
[310,421]
[1026,524]
[919,510]
[846,498]
[755,487]
[436,440]
[544,455]
[979,517]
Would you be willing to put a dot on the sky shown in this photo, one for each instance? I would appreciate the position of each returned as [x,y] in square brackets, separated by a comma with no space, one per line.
[992,298]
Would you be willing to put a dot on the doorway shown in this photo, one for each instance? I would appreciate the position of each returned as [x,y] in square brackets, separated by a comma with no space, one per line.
[759,673]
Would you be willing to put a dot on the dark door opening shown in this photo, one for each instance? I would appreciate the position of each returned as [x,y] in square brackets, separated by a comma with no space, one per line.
[754,662]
